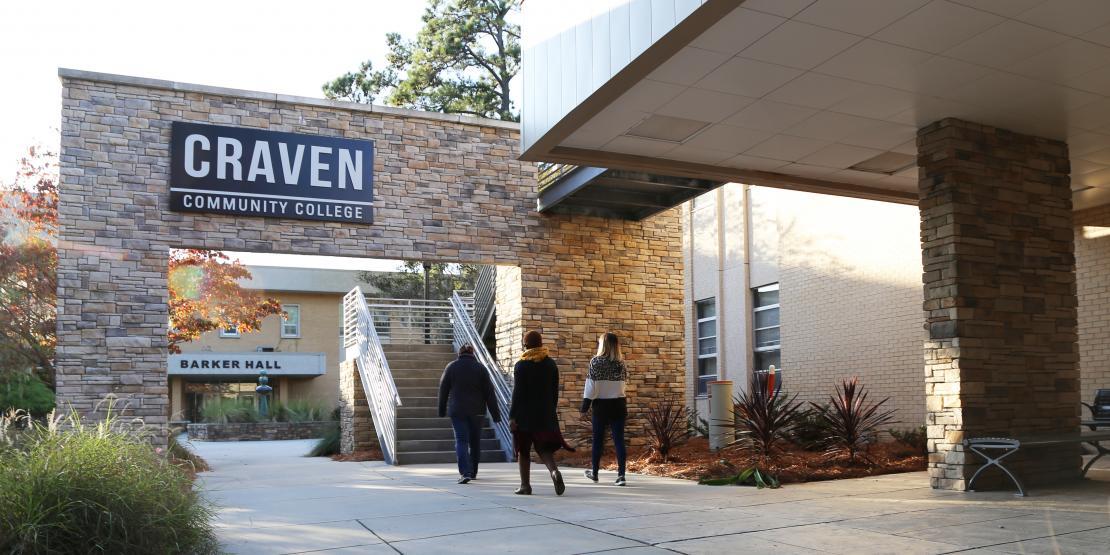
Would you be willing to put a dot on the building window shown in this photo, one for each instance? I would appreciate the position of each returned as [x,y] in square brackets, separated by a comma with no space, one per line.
[765,319]
[707,343]
[229,333]
[291,322]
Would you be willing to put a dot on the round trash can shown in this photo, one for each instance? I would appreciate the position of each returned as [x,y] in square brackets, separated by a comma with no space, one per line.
[720,413]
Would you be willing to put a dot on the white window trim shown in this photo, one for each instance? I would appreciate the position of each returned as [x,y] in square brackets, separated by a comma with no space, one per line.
[234,334]
[755,331]
[283,321]
[697,345]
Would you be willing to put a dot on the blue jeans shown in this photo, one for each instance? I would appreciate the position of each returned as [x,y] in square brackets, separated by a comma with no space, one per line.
[617,426]
[468,442]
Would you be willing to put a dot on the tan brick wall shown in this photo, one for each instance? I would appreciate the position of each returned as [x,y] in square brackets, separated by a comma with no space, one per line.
[1092,265]
[446,189]
[850,297]
[509,331]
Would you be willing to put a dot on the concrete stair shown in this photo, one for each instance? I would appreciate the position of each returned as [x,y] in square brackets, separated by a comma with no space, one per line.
[423,437]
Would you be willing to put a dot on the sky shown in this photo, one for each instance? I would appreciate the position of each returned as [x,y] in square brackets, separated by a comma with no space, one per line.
[274,46]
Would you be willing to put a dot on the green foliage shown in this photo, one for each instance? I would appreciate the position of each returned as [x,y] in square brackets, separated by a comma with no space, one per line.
[462,61]
[222,410]
[765,420]
[751,476]
[808,433]
[329,444]
[667,425]
[695,424]
[417,280]
[301,410]
[916,438]
[26,392]
[182,456]
[850,421]
[81,488]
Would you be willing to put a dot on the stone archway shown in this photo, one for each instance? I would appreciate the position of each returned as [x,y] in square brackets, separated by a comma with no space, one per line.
[447,188]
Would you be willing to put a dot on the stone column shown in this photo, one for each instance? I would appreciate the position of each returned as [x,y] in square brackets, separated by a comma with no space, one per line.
[356,426]
[1000,297]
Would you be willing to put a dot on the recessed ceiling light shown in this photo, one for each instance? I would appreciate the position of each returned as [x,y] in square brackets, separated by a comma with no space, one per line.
[888,163]
[667,128]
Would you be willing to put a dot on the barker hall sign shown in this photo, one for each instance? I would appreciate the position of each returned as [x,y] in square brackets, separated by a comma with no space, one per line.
[250,172]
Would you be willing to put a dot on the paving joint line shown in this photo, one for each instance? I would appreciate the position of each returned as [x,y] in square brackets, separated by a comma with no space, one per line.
[1028,539]
[375,534]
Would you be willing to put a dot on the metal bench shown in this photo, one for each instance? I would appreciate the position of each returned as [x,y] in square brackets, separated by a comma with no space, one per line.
[1100,409]
[1008,446]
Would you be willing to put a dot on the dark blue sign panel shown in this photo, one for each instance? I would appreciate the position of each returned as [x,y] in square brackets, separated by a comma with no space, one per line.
[250,172]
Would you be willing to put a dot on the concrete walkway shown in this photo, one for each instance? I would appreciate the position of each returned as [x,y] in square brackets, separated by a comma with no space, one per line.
[272,500]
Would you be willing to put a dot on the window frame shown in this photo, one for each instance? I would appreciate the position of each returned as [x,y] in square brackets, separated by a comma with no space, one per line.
[284,321]
[756,348]
[698,377]
[232,334]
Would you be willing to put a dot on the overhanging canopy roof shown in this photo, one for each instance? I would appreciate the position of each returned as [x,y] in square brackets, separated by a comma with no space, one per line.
[827,95]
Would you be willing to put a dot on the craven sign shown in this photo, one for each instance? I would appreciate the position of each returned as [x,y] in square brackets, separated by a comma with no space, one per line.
[250,172]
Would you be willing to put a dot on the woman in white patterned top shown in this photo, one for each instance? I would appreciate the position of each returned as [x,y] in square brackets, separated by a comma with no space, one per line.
[605,395]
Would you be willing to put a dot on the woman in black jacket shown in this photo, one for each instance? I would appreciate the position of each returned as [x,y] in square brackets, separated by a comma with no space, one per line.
[532,416]
[465,393]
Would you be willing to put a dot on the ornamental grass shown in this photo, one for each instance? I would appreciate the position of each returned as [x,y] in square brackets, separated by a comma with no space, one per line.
[67,486]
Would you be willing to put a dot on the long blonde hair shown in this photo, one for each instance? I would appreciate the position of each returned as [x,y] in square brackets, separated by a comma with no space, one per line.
[609,346]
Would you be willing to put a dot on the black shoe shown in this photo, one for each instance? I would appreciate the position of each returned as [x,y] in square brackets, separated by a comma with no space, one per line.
[620,481]
[463,479]
[523,490]
[590,475]
[557,478]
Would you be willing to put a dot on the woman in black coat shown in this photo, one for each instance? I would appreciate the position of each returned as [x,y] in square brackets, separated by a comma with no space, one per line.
[465,394]
[533,417]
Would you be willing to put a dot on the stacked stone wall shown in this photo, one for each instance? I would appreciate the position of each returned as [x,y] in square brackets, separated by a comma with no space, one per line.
[446,188]
[356,426]
[258,431]
[1000,297]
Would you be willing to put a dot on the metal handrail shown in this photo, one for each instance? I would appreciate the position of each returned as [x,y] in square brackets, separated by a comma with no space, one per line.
[484,294]
[412,320]
[466,333]
[360,333]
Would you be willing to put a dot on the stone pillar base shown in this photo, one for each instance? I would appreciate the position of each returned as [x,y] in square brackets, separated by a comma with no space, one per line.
[356,426]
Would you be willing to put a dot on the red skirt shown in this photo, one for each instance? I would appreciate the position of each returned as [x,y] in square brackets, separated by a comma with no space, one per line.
[544,442]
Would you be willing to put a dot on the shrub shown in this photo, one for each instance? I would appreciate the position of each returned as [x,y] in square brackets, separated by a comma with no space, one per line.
[667,425]
[764,420]
[915,438]
[301,410]
[23,391]
[851,423]
[222,410]
[327,445]
[695,424]
[82,488]
[182,456]
[808,433]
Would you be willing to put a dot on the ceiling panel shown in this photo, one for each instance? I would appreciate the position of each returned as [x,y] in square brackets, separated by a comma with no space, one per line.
[799,45]
[938,26]
[859,17]
[847,80]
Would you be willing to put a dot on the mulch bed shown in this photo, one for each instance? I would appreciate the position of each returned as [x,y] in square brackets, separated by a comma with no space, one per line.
[374,454]
[693,461]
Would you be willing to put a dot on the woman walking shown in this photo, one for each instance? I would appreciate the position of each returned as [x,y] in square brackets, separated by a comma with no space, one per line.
[605,395]
[465,393]
[532,414]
